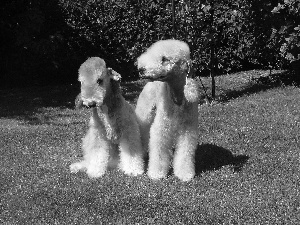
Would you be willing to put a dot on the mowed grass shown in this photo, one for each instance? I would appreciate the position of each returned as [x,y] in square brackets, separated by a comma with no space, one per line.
[247,162]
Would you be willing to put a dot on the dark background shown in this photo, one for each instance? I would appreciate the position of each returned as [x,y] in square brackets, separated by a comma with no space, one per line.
[44,42]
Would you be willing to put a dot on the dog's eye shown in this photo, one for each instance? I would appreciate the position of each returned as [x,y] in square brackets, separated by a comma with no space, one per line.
[99,81]
[164,59]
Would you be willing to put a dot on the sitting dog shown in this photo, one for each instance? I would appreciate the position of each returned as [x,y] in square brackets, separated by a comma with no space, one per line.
[167,109]
[113,123]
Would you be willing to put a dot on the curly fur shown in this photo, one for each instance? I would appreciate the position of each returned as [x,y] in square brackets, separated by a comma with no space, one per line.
[167,110]
[113,124]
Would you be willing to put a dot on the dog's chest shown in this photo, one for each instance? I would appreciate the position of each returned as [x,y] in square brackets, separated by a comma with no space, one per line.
[171,114]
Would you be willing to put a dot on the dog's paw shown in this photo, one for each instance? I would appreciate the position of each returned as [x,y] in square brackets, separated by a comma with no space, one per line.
[75,167]
[131,165]
[185,175]
[94,172]
[155,175]
[133,172]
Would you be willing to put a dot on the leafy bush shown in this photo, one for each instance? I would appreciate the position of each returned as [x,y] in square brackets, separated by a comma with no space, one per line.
[289,28]
[45,41]
[120,30]
[117,31]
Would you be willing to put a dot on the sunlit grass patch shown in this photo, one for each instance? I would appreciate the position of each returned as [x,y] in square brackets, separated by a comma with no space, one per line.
[247,165]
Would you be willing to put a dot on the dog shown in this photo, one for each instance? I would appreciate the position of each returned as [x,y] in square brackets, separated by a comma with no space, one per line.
[113,137]
[167,109]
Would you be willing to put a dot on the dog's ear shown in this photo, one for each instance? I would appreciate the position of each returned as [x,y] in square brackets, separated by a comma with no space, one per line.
[191,90]
[78,102]
[115,81]
[186,66]
[113,74]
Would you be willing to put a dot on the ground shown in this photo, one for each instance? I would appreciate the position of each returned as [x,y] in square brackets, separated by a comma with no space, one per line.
[247,162]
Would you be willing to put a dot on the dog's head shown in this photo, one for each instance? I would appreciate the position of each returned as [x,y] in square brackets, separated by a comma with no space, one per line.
[163,59]
[95,81]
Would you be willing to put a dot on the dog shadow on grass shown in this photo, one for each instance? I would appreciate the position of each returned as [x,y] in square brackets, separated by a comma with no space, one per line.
[212,157]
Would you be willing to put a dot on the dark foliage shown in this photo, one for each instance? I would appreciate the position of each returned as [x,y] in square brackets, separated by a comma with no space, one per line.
[44,42]
[35,44]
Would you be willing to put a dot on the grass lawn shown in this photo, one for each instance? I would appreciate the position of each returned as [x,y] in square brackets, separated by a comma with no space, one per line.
[247,163]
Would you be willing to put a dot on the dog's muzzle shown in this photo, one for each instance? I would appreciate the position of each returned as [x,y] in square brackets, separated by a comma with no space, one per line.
[142,73]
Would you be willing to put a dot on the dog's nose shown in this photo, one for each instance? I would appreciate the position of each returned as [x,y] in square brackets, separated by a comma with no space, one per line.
[142,70]
[91,104]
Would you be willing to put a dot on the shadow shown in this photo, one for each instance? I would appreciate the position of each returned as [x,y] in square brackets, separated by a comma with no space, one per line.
[248,90]
[262,83]
[24,102]
[211,157]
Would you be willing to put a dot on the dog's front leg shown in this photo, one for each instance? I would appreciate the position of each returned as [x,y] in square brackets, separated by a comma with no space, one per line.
[186,145]
[160,148]
[145,112]
[95,148]
[131,151]
[184,156]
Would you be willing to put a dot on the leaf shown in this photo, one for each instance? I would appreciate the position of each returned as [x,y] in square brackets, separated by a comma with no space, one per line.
[297,28]
[283,29]
[290,57]
[209,36]
[206,8]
